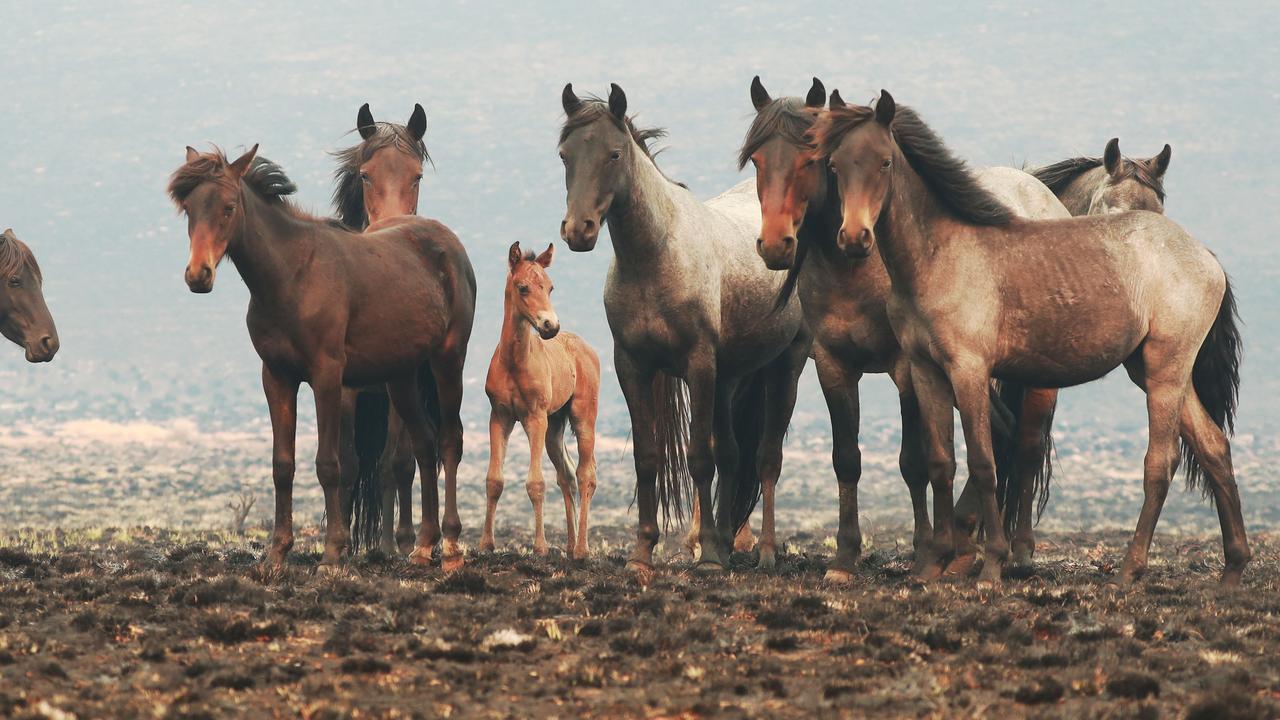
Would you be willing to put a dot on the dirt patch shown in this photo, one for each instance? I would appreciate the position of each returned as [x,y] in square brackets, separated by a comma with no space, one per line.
[163,623]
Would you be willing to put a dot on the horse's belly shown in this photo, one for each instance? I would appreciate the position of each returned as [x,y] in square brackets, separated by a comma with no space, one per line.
[1069,358]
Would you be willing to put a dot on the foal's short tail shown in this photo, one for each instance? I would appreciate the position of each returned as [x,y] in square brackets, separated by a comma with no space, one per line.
[1216,379]
[372,408]
[1009,473]
[675,486]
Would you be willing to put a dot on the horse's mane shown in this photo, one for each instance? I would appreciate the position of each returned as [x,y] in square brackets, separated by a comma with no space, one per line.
[263,177]
[1059,175]
[15,256]
[947,176]
[593,108]
[348,196]
[786,117]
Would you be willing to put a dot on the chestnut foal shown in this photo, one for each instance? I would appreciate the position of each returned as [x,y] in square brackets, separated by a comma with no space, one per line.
[545,383]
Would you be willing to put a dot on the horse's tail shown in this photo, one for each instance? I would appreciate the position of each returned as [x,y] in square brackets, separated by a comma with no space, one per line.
[671,427]
[749,408]
[370,440]
[1009,472]
[1216,379]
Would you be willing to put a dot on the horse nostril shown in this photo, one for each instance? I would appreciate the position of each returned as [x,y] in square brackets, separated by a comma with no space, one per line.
[843,236]
[788,241]
[759,244]
[47,343]
[205,273]
[864,235]
[589,225]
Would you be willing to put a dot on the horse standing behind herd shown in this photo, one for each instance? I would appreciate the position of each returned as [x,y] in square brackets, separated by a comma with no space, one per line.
[862,242]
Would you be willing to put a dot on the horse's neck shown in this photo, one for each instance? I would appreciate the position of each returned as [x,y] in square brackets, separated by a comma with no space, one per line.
[1078,194]
[269,248]
[911,228]
[640,226]
[516,339]
[823,261]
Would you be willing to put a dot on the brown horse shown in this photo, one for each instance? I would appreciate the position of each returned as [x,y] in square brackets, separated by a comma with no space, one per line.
[844,298]
[1086,186]
[978,292]
[377,179]
[24,317]
[545,384]
[335,308]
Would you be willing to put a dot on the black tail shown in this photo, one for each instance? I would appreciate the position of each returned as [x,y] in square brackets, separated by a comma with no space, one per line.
[372,408]
[1009,472]
[675,486]
[1216,379]
[750,405]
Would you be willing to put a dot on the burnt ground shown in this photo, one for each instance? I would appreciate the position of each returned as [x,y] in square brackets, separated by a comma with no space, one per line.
[168,623]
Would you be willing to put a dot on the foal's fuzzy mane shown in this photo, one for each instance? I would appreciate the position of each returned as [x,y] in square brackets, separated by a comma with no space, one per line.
[1059,175]
[15,256]
[348,196]
[946,175]
[592,108]
[788,118]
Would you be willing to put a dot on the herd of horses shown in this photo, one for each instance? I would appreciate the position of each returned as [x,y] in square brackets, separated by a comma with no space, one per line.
[862,242]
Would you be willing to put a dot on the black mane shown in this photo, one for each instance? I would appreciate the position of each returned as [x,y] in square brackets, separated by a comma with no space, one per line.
[348,196]
[593,108]
[788,118]
[264,177]
[15,255]
[1059,175]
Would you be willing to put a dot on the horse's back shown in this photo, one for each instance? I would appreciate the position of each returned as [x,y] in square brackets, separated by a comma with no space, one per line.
[1022,193]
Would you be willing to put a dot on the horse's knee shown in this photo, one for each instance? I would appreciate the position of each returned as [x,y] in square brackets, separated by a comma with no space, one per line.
[702,465]
[847,462]
[329,470]
[941,471]
[282,470]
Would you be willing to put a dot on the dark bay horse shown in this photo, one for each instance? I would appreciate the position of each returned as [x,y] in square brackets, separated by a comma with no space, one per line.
[547,380]
[24,317]
[687,300]
[335,308]
[844,298]
[378,178]
[978,292]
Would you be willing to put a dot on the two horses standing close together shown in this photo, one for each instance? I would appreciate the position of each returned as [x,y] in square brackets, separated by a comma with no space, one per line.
[973,290]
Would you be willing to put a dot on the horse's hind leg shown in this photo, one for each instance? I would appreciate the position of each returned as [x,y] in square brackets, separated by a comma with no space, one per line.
[326,384]
[1035,422]
[347,448]
[1213,452]
[447,370]
[564,473]
[406,399]
[1166,392]
[535,427]
[913,463]
[582,419]
[500,425]
[402,471]
[781,398]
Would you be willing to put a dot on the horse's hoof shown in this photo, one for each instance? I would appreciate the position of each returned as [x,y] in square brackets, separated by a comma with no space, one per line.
[708,567]
[330,569]
[768,560]
[744,543]
[962,566]
[452,563]
[838,577]
[486,546]
[991,574]
[928,570]
[640,571]
[541,550]
[420,556]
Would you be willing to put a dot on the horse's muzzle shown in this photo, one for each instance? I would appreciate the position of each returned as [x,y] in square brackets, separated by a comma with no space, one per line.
[580,236]
[777,255]
[43,350]
[199,280]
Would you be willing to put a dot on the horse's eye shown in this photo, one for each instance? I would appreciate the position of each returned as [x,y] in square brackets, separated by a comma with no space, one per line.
[228,211]
[417,180]
[551,289]
[615,155]
[523,289]
[886,164]
[564,159]
[15,281]
[832,168]
[364,177]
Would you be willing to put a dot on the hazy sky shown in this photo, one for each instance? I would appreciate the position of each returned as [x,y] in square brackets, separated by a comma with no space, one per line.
[100,99]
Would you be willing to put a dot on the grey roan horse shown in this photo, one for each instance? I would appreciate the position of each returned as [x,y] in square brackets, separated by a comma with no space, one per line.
[979,293]
[24,317]
[844,298]
[686,298]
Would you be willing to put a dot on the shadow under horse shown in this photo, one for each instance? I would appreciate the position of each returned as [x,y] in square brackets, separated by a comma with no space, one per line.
[334,308]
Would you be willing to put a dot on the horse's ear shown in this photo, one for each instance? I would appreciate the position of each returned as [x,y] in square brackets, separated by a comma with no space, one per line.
[759,96]
[242,163]
[545,258]
[836,100]
[569,100]
[885,108]
[817,95]
[617,101]
[514,256]
[1111,157]
[365,123]
[417,126]
[192,154]
[1160,162]
[7,235]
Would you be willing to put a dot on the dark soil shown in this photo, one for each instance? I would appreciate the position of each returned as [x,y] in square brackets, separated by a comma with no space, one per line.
[161,623]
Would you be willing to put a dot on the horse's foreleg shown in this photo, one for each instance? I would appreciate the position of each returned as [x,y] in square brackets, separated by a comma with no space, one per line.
[535,427]
[1034,425]
[282,401]
[840,390]
[500,425]
[583,421]
[326,383]
[972,386]
[706,457]
[637,388]
[564,475]
[781,397]
[913,461]
[933,393]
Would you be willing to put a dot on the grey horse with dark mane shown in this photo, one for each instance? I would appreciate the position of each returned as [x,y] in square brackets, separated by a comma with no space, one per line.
[689,304]
[979,293]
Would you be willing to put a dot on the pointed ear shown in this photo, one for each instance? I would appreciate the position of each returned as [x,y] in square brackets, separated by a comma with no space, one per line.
[817,95]
[1111,157]
[242,163]
[7,235]
[885,108]
[836,100]
[569,100]
[617,101]
[759,96]
[417,126]
[545,258]
[514,256]
[1160,162]
[365,123]
[192,154]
